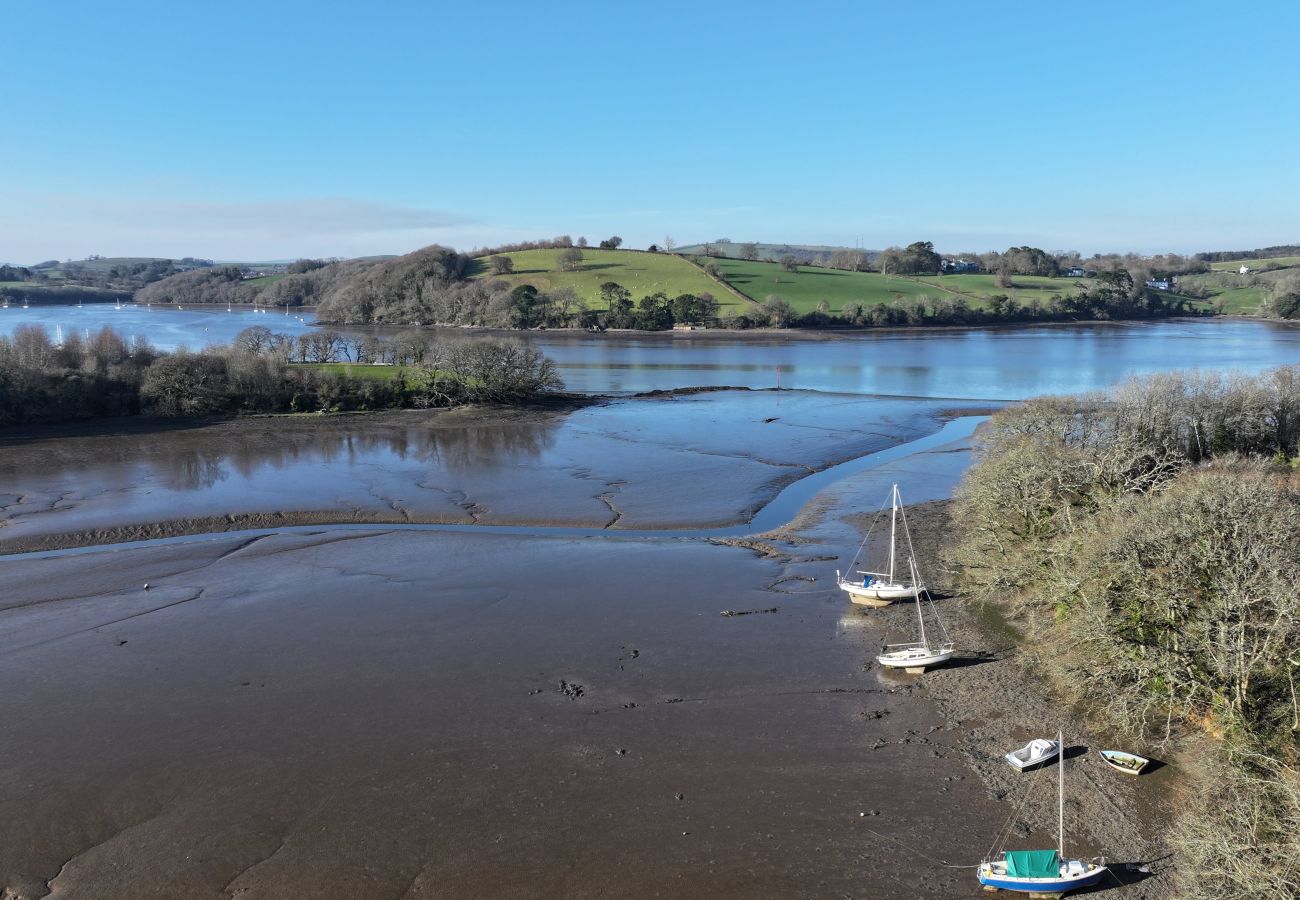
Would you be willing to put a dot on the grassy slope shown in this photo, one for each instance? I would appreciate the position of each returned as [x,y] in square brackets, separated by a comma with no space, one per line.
[772,252]
[804,288]
[640,273]
[1240,294]
[1276,262]
[104,265]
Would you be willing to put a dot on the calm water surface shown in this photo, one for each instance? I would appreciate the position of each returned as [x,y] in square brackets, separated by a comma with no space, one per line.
[981,363]
[994,364]
[165,327]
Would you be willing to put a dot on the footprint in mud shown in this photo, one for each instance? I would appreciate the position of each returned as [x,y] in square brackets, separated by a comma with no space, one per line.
[630,654]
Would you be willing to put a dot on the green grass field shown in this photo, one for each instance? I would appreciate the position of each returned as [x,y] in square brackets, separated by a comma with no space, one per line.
[1255,265]
[1241,295]
[1244,301]
[804,288]
[640,273]
[264,279]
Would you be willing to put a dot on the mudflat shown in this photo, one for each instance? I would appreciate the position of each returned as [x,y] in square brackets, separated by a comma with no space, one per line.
[361,713]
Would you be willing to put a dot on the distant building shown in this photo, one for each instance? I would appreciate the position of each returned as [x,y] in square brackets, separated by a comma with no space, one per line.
[955,266]
[1161,284]
[1075,272]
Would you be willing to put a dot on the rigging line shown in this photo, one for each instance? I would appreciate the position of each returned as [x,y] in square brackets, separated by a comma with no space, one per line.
[866,537]
[912,850]
[911,551]
[999,841]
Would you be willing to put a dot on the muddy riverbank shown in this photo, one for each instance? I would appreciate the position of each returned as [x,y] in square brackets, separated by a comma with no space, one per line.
[672,461]
[408,714]
[997,704]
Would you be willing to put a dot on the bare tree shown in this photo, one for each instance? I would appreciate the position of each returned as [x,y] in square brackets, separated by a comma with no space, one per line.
[570,260]
[255,339]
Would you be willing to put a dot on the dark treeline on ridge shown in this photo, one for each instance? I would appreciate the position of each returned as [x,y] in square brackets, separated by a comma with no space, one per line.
[1146,542]
[1261,253]
[106,375]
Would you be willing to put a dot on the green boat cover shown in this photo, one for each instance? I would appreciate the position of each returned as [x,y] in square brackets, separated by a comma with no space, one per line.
[1033,864]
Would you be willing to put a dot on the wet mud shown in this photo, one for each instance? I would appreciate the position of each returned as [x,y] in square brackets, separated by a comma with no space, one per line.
[359,713]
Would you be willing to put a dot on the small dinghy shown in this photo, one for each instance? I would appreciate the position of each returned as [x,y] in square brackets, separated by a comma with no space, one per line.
[1128,763]
[1036,751]
[883,587]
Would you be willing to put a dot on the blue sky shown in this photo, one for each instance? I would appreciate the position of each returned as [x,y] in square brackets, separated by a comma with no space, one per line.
[279,129]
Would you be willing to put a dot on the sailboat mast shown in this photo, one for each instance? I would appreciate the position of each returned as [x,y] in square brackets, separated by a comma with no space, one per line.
[1060,809]
[893,529]
[916,599]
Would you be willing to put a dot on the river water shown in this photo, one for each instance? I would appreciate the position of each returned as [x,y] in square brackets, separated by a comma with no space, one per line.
[549,706]
[974,363]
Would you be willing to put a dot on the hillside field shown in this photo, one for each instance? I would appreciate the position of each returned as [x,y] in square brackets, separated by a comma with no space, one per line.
[771,252]
[1256,265]
[804,288]
[640,273]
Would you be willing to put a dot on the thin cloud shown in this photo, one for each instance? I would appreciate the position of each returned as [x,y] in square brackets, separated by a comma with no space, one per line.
[312,215]
[59,225]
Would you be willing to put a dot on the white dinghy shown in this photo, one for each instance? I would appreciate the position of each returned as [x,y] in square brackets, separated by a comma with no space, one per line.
[1037,751]
[917,656]
[881,588]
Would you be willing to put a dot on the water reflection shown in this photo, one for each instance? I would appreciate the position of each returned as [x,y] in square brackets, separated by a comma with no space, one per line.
[994,364]
[321,454]
[988,363]
[192,471]
[166,328]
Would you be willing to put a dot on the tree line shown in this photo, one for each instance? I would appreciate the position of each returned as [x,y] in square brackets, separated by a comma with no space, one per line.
[1260,253]
[108,375]
[1146,541]
[433,286]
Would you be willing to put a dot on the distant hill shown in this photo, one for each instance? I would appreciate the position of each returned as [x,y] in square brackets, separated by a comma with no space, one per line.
[805,253]
[99,277]
[640,272]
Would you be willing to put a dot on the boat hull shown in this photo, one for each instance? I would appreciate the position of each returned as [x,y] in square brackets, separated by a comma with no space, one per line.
[1128,763]
[913,661]
[1021,759]
[1042,886]
[874,595]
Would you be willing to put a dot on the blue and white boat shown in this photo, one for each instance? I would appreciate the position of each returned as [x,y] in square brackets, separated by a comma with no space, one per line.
[1043,873]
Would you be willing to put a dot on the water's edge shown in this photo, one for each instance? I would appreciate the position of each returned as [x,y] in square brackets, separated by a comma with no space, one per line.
[780,510]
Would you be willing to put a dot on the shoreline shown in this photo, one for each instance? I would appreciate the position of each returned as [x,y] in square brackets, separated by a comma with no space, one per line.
[852,756]
[998,705]
[794,334]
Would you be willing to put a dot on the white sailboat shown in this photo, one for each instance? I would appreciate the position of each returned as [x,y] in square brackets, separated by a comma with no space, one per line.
[882,588]
[916,656]
[1043,872]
